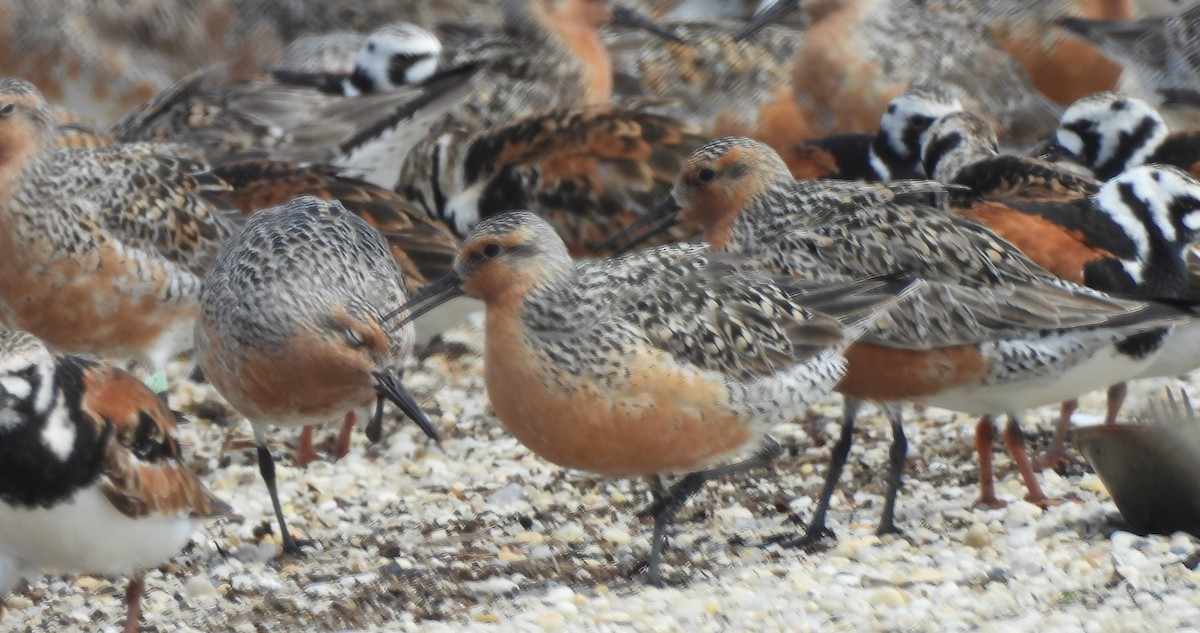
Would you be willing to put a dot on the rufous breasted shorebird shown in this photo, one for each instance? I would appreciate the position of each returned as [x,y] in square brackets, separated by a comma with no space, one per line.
[424,248]
[1060,67]
[856,55]
[290,329]
[664,361]
[538,131]
[990,333]
[1158,53]
[104,247]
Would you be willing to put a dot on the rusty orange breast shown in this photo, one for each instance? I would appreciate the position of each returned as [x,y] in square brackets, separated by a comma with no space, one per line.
[1065,68]
[660,418]
[1062,251]
[312,379]
[874,372]
[93,303]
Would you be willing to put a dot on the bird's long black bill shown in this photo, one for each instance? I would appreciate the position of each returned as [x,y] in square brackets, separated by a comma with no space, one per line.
[1051,151]
[324,82]
[375,426]
[446,85]
[1180,97]
[663,216]
[447,287]
[623,15]
[764,17]
[1081,27]
[388,384]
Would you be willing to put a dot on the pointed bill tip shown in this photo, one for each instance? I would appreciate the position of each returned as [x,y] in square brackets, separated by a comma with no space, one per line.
[662,217]
[445,288]
[626,15]
[769,12]
[387,383]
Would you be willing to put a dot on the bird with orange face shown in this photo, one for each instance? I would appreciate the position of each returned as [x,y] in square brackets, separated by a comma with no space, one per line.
[989,333]
[666,361]
[291,328]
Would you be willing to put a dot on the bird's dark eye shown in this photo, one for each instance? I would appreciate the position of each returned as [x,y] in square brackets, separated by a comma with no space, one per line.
[891,108]
[370,47]
[8,109]
[1082,126]
[706,175]
[491,250]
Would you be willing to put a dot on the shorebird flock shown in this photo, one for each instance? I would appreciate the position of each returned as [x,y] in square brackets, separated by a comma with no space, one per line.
[687,222]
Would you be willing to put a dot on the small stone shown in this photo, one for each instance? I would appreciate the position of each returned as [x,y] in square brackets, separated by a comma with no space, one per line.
[491,586]
[18,602]
[888,597]
[511,556]
[977,536]
[616,536]
[1092,483]
[1021,512]
[1123,540]
[88,583]
[200,586]
[552,621]
[507,495]
[541,552]
[529,538]
[568,533]
[846,548]
[929,575]
[560,594]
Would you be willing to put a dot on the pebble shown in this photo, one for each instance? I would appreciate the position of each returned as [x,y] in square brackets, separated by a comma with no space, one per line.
[508,494]
[493,586]
[530,538]
[18,602]
[88,583]
[888,597]
[542,552]
[617,536]
[568,533]
[200,585]
[560,594]
[977,536]
[510,556]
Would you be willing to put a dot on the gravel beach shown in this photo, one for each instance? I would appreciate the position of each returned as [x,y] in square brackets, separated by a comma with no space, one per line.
[481,535]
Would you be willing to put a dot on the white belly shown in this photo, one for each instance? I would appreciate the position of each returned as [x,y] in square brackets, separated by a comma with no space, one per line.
[87,535]
[1180,353]
[175,340]
[1104,368]
[10,573]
